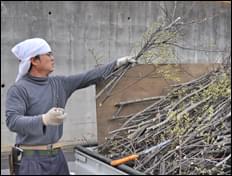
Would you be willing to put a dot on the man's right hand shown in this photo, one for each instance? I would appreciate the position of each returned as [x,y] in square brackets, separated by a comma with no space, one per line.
[55,116]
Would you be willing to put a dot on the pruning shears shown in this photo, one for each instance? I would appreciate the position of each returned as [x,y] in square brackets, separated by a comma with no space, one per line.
[136,156]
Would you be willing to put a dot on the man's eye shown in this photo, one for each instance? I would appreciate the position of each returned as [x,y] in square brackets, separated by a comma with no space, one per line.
[49,54]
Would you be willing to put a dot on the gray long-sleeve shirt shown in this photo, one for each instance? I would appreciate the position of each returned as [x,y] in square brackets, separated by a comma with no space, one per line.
[31,97]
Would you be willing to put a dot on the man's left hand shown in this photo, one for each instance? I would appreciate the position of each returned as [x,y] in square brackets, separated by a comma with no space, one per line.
[124,60]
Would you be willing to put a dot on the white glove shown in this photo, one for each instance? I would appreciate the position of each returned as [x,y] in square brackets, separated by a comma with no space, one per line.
[124,60]
[55,116]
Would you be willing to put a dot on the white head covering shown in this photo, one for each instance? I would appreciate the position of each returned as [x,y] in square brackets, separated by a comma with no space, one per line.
[27,49]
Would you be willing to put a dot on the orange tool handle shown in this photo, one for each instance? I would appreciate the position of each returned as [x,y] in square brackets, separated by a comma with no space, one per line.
[123,160]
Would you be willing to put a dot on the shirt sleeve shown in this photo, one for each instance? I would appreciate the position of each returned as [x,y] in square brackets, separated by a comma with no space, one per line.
[16,120]
[85,79]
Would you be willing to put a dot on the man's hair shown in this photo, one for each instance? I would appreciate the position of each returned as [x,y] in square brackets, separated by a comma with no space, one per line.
[36,57]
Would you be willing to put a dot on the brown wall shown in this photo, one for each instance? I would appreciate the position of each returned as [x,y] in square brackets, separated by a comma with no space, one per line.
[140,82]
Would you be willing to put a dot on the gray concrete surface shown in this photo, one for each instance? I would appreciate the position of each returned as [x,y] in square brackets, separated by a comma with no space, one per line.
[111,29]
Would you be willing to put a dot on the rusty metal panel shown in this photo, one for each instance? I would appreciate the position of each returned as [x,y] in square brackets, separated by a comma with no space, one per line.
[141,81]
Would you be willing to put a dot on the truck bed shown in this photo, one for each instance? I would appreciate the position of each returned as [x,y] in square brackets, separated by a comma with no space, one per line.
[88,161]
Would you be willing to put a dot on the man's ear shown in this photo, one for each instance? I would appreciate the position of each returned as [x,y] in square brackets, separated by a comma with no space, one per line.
[34,61]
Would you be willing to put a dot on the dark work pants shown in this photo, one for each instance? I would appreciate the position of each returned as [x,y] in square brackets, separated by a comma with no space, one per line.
[37,164]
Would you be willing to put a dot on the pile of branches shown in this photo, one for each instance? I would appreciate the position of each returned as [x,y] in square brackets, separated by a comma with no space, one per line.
[191,127]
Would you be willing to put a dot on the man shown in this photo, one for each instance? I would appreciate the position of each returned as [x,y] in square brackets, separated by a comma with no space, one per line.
[35,105]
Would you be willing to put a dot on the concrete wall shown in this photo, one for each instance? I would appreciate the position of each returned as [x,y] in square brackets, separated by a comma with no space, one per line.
[111,30]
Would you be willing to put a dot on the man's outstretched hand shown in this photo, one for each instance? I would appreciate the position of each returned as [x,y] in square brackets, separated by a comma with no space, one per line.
[124,60]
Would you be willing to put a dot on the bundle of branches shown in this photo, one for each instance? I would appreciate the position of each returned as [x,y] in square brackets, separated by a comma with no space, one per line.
[154,45]
[191,127]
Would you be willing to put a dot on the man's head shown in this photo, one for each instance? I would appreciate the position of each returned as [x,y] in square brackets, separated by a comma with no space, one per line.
[42,64]
[33,54]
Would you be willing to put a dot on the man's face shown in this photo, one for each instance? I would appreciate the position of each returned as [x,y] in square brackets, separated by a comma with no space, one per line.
[46,63]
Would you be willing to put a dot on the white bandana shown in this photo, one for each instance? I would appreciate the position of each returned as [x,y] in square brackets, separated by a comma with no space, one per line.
[27,49]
